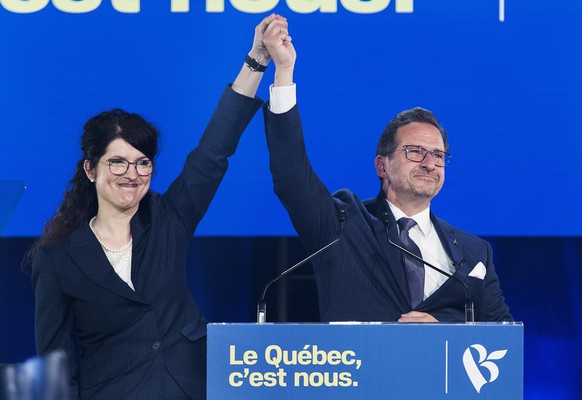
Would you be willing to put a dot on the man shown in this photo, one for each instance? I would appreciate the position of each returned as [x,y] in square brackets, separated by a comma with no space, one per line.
[364,277]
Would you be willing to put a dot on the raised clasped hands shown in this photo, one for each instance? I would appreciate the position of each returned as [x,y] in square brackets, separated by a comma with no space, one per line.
[277,41]
[272,40]
[259,51]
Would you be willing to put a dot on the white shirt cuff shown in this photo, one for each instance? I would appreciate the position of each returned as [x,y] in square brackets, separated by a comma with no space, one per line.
[282,98]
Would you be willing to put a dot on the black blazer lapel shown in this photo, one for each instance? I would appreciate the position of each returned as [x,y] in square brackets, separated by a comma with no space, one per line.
[89,257]
[140,227]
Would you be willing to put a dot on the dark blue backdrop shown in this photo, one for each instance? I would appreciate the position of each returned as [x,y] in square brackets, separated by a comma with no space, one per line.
[540,277]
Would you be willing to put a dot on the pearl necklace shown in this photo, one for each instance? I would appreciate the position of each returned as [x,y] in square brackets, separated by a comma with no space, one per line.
[120,250]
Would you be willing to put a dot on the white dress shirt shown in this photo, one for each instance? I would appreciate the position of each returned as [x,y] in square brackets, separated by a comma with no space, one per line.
[431,249]
[282,98]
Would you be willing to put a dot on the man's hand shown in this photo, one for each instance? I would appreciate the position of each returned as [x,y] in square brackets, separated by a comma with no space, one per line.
[417,317]
[278,44]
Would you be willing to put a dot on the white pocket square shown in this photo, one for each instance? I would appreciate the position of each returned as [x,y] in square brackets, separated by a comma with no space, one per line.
[479,271]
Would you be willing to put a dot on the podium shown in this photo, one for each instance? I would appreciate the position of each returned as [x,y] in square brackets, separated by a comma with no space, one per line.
[10,193]
[363,361]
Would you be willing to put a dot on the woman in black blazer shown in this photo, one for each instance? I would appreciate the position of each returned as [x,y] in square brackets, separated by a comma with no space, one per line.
[108,272]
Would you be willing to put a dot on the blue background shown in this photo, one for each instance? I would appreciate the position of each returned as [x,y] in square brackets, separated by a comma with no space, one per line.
[509,94]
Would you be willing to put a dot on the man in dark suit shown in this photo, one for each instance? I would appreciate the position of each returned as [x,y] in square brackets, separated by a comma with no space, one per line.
[364,277]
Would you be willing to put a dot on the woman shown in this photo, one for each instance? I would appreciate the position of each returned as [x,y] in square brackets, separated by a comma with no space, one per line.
[108,272]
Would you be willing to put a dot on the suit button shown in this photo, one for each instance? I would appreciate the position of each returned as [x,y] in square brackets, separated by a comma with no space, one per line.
[156,345]
[145,308]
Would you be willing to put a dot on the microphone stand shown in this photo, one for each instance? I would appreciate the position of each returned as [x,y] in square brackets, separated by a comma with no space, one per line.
[262,304]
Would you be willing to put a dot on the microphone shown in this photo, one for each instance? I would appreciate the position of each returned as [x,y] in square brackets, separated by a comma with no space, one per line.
[262,304]
[469,306]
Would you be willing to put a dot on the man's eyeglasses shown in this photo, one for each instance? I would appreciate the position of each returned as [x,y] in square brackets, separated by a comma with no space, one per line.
[119,166]
[418,154]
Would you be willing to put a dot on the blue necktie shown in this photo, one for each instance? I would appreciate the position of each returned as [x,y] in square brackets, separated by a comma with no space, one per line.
[414,269]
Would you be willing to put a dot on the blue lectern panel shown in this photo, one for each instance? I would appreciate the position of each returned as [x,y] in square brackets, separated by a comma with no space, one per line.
[365,361]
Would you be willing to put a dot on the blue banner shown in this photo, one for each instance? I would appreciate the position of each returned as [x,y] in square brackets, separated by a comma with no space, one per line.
[503,77]
[365,361]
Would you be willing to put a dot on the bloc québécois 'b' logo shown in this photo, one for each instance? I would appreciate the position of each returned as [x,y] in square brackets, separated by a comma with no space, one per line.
[474,368]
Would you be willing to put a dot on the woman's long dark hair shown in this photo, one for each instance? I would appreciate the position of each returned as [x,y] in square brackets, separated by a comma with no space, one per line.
[80,198]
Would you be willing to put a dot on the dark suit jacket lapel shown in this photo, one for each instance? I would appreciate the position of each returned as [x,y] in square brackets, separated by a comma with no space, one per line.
[92,261]
[378,207]
[451,243]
